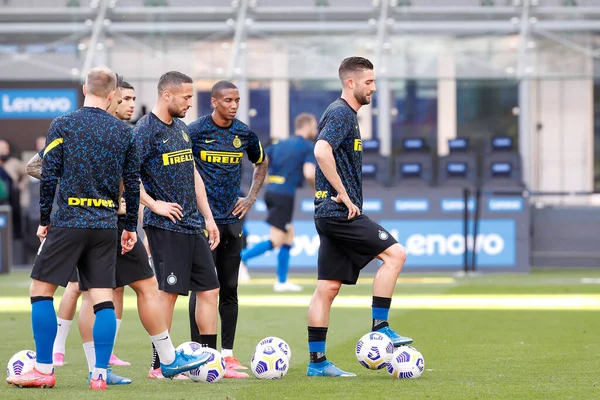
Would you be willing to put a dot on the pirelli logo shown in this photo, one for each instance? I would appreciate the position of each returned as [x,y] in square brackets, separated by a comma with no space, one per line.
[321,194]
[357,145]
[221,157]
[89,202]
[177,157]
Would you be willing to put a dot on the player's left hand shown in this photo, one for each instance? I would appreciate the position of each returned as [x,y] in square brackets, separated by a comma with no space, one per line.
[42,231]
[243,205]
[213,234]
[128,240]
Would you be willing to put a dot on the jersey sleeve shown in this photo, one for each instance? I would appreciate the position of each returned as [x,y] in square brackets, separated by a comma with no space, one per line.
[141,137]
[255,152]
[52,167]
[334,129]
[131,182]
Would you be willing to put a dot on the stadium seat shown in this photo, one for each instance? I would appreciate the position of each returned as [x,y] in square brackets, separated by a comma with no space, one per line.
[414,166]
[459,168]
[502,164]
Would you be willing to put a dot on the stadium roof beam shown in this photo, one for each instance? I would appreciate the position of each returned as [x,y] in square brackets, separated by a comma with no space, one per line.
[239,34]
[306,27]
[92,45]
[523,38]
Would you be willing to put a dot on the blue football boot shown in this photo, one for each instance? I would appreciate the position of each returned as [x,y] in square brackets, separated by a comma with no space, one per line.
[184,362]
[397,340]
[327,369]
[112,378]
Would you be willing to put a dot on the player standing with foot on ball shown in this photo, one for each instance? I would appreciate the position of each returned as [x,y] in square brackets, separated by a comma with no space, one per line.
[349,239]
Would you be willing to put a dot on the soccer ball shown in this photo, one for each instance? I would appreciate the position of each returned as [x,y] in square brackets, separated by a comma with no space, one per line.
[212,371]
[374,350]
[21,363]
[277,343]
[407,362]
[269,362]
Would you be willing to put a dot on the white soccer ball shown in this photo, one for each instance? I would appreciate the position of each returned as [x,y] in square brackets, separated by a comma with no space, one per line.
[269,362]
[21,363]
[407,362]
[212,371]
[277,343]
[374,350]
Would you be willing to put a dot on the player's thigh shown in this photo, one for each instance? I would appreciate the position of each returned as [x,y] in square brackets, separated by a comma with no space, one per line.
[203,273]
[57,256]
[172,256]
[281,209]
[97,264]
[334,263]
[360,235]
[133,266]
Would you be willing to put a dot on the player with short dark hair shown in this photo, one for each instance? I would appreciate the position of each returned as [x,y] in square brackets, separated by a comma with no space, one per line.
[126,107]
[175,200]
[88,151]
[349,239]
[219,142]
[290,162]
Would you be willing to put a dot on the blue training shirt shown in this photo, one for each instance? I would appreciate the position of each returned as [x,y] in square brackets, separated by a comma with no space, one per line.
[339,128]
[167,171]
[218,153]
[286,160]
[89,151]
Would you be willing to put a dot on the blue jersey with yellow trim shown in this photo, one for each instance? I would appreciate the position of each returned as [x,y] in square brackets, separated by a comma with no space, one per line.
[339,128]
[286,161]
[218,153]
[89,151]
[167,171]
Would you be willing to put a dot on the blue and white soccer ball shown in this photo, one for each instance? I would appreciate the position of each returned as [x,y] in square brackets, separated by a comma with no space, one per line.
[269,362]
[212,371]
[277,343]
[374,350]
[407,362]
[21,363]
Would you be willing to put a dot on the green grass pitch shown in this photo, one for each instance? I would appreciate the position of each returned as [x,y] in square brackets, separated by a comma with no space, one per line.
[489,337]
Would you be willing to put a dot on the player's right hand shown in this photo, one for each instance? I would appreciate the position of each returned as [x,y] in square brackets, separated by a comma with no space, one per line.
[128,240]
[42,231]
[353,210]
[169,210]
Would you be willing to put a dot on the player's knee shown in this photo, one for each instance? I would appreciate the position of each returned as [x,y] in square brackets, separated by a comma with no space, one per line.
[395,256]
[39,288]
[119,290]
[208,296]
[227,291]
[328,289]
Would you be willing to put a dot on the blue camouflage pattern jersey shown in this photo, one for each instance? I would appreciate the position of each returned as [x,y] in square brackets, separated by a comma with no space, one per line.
[167,171]
[339,128]
[286,160]
[218,153]
[89,151]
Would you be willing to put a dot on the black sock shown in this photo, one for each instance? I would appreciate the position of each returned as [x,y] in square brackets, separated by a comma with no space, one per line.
[155,358]
[209,341]
[316,343]
[380,308]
